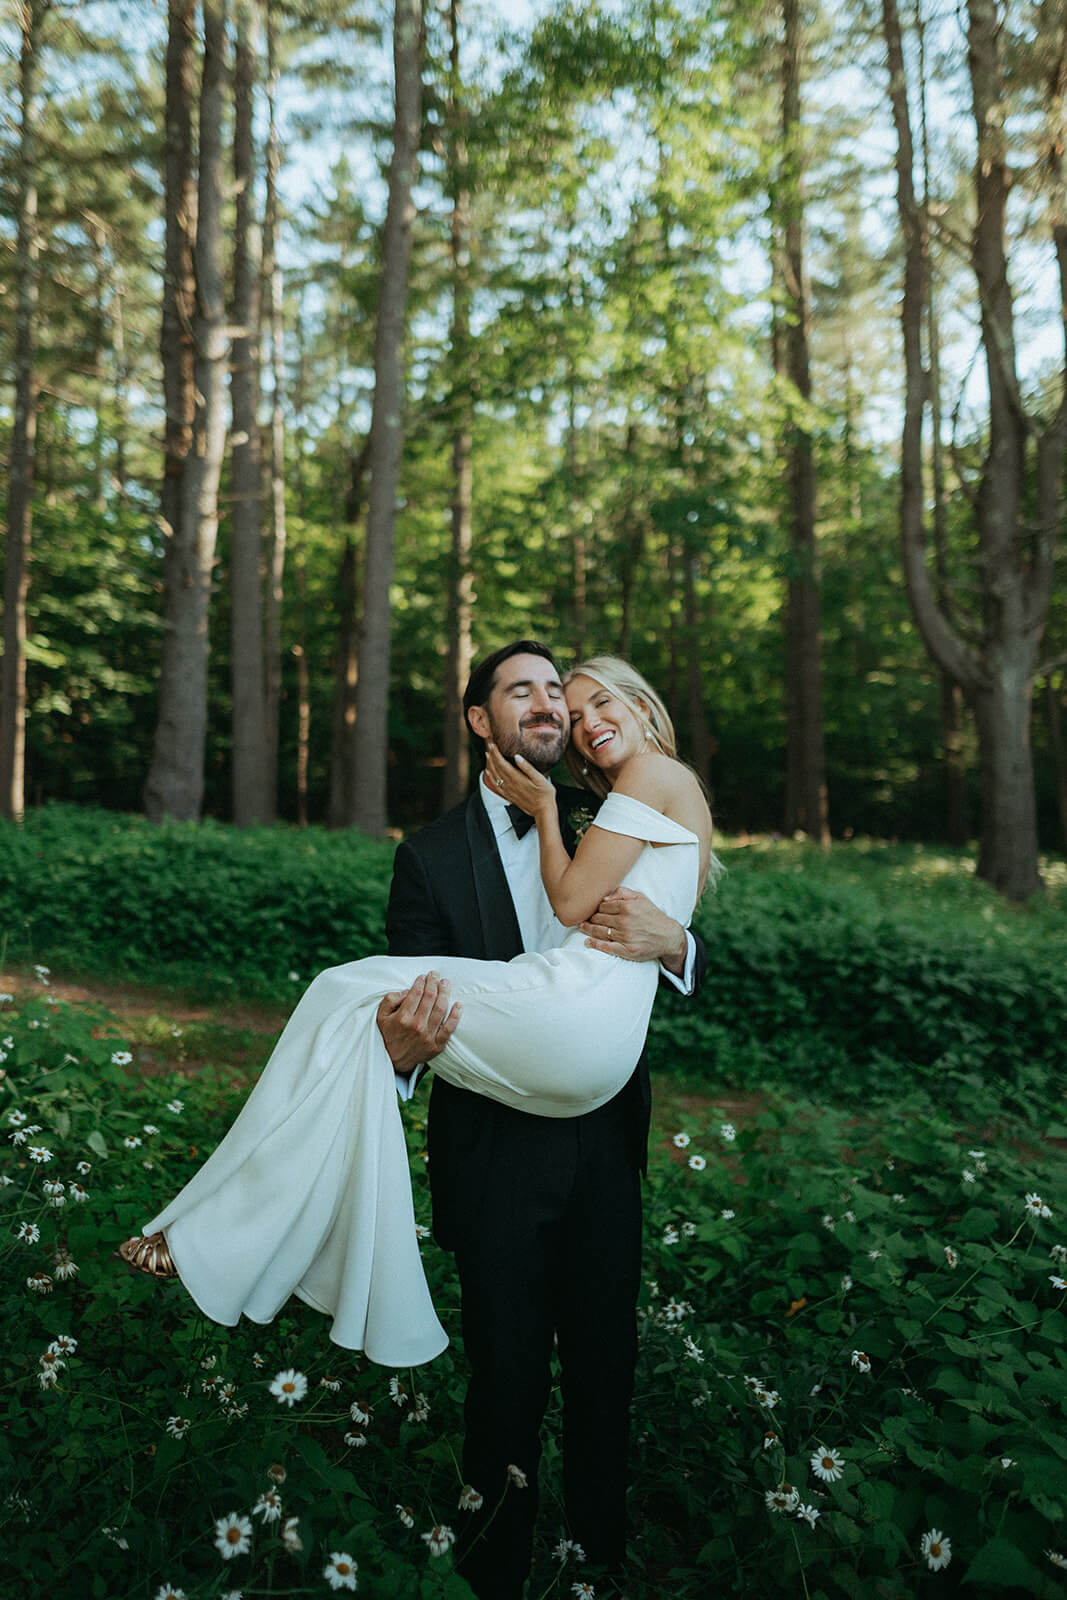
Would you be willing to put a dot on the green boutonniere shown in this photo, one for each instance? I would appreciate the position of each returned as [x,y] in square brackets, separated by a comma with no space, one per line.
[580,819]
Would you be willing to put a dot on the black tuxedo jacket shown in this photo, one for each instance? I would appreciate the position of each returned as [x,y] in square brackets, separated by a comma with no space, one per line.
[449,896]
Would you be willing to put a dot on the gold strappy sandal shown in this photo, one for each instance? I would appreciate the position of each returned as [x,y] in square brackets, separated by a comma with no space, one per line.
[149,1255]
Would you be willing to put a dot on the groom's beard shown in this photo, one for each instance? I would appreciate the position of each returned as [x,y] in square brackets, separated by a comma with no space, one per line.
[541,740]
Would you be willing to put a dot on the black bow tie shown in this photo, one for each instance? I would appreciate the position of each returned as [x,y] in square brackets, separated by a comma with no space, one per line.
[521,820]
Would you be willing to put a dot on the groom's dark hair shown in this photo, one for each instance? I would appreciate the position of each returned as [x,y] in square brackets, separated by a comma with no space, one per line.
[481,681]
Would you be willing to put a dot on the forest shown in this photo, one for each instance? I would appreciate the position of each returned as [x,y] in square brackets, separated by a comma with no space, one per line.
[342,343]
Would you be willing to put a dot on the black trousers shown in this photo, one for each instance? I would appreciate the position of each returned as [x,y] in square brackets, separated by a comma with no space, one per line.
[548,1248]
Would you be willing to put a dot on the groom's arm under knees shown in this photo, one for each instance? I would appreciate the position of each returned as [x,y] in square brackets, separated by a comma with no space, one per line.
[417,1023]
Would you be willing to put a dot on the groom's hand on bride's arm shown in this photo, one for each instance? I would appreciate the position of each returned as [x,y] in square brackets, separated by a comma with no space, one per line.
[627,924]
[417,1023]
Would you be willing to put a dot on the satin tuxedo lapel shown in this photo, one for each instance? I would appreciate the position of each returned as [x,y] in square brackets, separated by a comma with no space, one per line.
[496,911]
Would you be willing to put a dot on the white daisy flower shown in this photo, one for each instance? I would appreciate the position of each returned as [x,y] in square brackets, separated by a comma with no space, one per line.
[149,1128]
[288,1387]
[406,1516]
[951,1257]
[51,1361]
[827,1464]
[936,1548]
[78,1194]
[65,1268]
[177,1106]
[727,1215]
[1057,1282]
[16,1118]
[809,1514]
[421,1231]
[64,1345]
[670,1234]
[291,1535]
[1006,1462]
[517,1476]
[397,1392]
[440,1539]
[121,1058]
[38,1153]
[567,1547]
[898,1199]
[268,1506]
[233,1536]
[6,1182]
[782,1499]
[583,1591]
[420,1411]
[846,1284]
[48,1377]
[167,1591]
[1059,1252]
[257,1359]
[1034,1204]
[328,1381]
[694,1351]
[178,1427]
[53,1186]
[848,1216]
[828,1223]
[40,1283]
[861,1362]
[728,1132]
[355,1441]
[968,1177]
[131,1141]
[340,1570]
[1057,1559]
[697,1163]
[27,1232]
[470,1499]
[276,1472]
[357,1413]
[768,1398]
[680,1140]
[84,1168]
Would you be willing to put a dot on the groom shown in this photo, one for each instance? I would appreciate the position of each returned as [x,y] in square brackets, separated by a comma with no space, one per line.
[543,1214]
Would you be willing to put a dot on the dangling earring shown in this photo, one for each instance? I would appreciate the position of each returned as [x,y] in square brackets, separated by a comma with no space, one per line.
[585,769]
[648,733]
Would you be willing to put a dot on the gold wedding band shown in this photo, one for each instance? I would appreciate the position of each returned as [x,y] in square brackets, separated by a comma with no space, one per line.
[610,934]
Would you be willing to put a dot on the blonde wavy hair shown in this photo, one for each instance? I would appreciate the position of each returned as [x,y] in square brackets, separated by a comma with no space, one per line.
[638,696]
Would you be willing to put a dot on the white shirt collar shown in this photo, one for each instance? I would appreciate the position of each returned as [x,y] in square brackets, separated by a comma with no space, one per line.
[496,808]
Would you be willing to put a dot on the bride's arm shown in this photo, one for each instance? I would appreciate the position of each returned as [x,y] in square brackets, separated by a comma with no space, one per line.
[574,887]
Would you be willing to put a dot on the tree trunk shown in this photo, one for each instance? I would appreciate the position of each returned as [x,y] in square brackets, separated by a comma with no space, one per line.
[179,277]
[175,785]
[1059,753]
[251,787]
[806,798]
[387,427]
[953,711]
[461,352]
[1015,566]
[24,427]
[272,281]
[346,678]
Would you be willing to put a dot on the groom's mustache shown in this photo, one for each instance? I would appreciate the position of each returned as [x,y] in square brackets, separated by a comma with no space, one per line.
[542,719]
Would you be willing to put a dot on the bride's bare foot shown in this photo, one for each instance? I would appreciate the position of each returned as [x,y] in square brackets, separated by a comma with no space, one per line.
[149,1255]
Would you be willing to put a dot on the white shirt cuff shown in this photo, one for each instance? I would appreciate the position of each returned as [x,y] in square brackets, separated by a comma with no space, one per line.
[407,1084]
[684,984]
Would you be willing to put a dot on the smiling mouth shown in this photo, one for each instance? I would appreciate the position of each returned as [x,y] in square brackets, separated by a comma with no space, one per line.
[601,741]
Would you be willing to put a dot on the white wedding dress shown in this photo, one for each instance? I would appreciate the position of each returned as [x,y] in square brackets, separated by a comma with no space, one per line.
[309,1193]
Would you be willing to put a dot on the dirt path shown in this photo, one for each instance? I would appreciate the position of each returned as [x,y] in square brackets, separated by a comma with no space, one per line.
[140,1001]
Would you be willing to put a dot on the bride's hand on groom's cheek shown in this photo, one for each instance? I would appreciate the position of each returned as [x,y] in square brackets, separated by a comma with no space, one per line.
[522,785]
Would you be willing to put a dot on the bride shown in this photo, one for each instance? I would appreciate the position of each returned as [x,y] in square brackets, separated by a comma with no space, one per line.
[309,1192]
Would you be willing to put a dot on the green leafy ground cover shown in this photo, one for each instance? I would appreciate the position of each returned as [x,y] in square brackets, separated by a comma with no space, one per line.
[848,974]
[852,1339]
